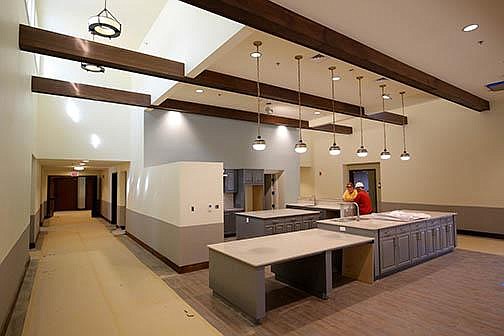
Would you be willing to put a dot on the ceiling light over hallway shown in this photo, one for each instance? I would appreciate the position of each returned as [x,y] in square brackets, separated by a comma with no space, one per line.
[385,154]
[362,151]
[104,24]
[405,156]
[470,27]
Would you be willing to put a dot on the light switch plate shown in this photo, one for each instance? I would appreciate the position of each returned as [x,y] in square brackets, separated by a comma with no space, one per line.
[342,228]
[247,219]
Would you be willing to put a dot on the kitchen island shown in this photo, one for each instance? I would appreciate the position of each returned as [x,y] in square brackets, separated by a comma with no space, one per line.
[268,222]
[327,211]
[301,259]
[401,244]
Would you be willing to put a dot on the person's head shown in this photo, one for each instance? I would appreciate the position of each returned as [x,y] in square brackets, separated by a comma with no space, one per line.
[350,187]
[359,186]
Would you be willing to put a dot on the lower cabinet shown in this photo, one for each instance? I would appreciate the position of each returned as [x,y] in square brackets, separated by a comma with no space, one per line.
[388,260]
[249,227]
[418,245]
[403,249]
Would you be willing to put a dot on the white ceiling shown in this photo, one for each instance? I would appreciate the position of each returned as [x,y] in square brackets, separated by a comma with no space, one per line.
[70,17]
[426,34]
[69,164]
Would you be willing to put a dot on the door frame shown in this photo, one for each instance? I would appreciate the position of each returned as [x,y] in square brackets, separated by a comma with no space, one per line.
[366,166]
[113,198]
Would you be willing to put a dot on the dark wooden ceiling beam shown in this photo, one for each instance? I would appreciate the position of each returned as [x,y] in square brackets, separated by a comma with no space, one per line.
[89,92]
[76,49]
[388,117]
[276,20]
[235,84]
[228,113]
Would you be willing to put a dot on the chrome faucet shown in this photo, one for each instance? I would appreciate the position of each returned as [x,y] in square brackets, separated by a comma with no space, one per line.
[357,210]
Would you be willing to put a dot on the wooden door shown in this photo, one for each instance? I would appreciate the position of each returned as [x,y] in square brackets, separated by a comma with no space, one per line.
[114,199]
[65,193]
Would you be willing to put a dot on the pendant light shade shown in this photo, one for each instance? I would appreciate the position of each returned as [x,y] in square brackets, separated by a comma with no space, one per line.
[405,156]
[92,67]
[334,150]
[104,24]
[259,143]
[300,147]
[362,151]
[385,154]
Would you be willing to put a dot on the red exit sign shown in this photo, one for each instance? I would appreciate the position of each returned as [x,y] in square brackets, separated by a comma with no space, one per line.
[74,173]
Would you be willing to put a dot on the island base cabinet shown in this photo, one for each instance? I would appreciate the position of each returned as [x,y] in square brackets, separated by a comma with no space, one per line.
[388,261]
[418,246]
[403,249]
[429,243]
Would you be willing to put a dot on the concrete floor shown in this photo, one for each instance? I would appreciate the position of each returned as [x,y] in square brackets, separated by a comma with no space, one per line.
[89,283]
[481,244]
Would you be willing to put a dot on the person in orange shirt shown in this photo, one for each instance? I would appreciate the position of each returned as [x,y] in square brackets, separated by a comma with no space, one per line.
[350,193]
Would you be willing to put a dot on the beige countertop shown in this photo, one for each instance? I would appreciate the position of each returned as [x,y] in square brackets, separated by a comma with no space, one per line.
[269,214]
[318,206]
[367,222]
[233,209]
[267,250]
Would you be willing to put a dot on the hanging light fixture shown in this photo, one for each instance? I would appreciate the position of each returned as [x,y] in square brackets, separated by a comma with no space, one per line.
[259,144]
[104,24]
[334,149]
[92,67]
[405,156]
[300,147]
[385,154]
[361,152]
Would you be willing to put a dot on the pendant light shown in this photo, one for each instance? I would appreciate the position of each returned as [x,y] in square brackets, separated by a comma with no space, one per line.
[405,156]
[259,144]
[385,154]
[300,147]
[104,24]
[361,152]
[92,67]
[334,149]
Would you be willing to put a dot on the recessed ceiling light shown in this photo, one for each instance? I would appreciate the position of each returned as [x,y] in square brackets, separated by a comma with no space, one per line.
[316,112]
[200,90]
[82,163]
[78,168]
[336,78]
[86,161]
[470,27]
[92,67]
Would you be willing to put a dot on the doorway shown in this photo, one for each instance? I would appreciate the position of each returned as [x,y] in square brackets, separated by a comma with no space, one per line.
[113,211]
[369,175]
[71,193]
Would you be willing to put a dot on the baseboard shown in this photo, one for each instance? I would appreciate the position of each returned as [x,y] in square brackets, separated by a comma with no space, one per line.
[13,303]
[175,267]
[481,234]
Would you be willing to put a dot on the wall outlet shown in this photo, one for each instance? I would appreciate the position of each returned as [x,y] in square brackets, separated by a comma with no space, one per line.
[247,220]
[342,228]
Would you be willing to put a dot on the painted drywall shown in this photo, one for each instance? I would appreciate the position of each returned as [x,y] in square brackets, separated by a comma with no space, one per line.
[456,157]
[185,34]
[173,136]
[16,127]
[17,123]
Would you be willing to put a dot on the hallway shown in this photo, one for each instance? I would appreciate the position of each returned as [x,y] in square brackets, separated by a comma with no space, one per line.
[89,283]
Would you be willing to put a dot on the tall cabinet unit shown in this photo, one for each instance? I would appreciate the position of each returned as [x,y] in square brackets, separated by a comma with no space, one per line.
[249,189]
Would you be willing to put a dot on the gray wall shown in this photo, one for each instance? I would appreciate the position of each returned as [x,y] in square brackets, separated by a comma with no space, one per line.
[106,209]
[172,137]
[12,269]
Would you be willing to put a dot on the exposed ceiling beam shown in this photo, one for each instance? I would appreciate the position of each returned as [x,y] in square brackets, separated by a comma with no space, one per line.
[276,20]
[90,92]
[97,93]
[231,83]
[68,47]
[223,112]
[388,117]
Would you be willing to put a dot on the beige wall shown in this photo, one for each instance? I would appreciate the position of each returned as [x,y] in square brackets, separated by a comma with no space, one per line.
[457,157]
[306,182]
[17,120]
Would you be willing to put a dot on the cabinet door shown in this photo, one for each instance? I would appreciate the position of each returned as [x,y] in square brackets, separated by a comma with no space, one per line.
[258,176]
[289,227]
[450,239]
[414,245]
[403,249]
[442,237]
[279,228]
[435,239]
[421,246]
[230,180]
[248,176]
[268,230]
[429,242]
[387,254]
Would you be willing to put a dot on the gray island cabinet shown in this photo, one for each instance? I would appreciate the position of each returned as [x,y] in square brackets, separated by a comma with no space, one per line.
[399,245]
[268,222]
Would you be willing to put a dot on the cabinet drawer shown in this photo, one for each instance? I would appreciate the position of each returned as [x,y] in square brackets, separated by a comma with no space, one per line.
[305,225]
[417,226]
[388,232]
[279,228]
[297,226]
[268,230]
[434,223]
[289,227]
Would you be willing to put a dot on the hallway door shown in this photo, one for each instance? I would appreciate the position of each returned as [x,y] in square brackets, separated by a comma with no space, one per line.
[114,199]
[368,178]
[65,193]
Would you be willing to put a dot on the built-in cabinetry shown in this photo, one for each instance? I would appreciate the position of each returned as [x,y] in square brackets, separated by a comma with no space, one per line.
[253,180]
[230,221]
[404,245]
[230,181]
[249,227]
[325,213]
